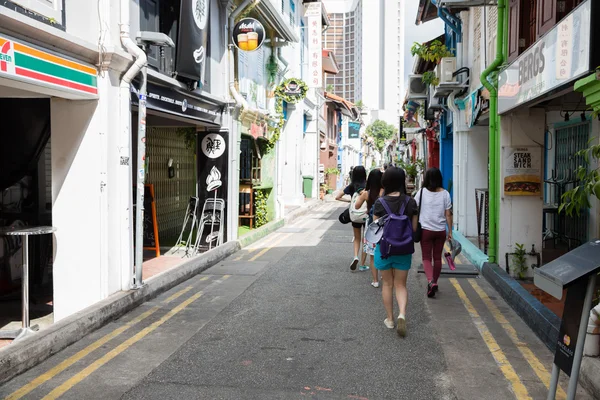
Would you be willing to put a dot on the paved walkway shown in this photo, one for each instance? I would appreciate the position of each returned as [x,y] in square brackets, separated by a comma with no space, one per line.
[286,319]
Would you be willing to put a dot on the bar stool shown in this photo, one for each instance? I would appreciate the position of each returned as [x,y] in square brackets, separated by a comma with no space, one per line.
[25,330]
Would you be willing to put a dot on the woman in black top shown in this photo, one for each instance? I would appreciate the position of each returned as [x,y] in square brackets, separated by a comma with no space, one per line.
[358,184]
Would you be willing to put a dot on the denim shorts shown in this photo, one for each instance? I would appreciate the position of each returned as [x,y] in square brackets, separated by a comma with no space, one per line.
[401,263]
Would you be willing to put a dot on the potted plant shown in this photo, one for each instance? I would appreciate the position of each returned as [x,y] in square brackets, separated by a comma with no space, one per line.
[432,52]
[412,170]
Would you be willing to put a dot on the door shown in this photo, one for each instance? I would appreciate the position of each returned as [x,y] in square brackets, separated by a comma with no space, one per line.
[149,21]
[513,29]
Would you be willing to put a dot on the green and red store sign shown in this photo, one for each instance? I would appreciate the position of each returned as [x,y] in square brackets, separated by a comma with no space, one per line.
[32,65]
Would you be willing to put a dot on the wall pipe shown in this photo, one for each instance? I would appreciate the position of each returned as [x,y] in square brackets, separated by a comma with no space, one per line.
[493,132]
[125,179]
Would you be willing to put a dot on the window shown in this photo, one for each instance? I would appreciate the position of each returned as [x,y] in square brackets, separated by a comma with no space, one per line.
[293,13]
[302,46]
[51,9]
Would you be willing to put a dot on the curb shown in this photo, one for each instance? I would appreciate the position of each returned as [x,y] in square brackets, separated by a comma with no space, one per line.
[472,253]
[538,317]
[20,356]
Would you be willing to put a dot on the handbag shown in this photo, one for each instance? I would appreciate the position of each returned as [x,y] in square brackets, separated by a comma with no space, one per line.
[344,217]
[419,232]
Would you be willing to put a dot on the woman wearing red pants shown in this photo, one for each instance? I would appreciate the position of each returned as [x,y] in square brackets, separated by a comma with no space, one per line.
[435,204]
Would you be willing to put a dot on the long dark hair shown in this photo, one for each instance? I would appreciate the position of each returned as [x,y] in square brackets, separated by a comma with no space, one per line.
[394,180]
[433,179]
[374,186]
[359,177]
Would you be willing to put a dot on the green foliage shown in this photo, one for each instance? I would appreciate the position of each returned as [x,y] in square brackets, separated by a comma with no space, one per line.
[280,97]
[260,208]
[332,171]
[429,78]
[412,169]
[189,137]
[381,131]
[519,261]
[272,69]
[359,104]
[329,88]
[432,52]
[577,199]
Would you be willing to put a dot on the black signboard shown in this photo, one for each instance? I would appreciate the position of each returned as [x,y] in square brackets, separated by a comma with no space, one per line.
[150,229]
[172,101]
[569,327]
[248,34]
[353,130]
[194,25]
[213,169]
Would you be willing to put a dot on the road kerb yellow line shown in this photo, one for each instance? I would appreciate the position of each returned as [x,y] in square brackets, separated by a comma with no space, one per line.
[519,390]
[536,365]
[177,295]
[66,386]
[263,251]
[78,356]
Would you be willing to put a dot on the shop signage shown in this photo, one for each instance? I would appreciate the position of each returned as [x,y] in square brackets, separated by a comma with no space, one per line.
[194,27]
[569,327]
[172,101]
[557,58]
[248,34]
[353,130]
[315,45]
[257,131]
[33,65]
[522,168]
[213,170]
[292,88]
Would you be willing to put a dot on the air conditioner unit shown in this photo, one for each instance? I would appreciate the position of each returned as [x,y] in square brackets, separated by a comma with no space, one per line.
[445,69]
[434,103]
[466,3]
[417,90]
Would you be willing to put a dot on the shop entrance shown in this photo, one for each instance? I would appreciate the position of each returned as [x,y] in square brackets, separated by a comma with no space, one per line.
[25,201]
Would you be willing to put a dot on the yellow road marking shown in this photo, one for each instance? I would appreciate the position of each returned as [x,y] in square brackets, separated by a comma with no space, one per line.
[62,389]
[81,354]
[263,251]
[511,376]
[89,349]
[533,361]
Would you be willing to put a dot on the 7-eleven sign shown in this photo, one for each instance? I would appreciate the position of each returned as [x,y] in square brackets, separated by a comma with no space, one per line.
[7,58]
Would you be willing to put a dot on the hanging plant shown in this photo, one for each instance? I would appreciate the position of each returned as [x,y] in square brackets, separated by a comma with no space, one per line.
[272,69]
[260,208]
[291,91]
[432,52]
[429,78]
[189,137]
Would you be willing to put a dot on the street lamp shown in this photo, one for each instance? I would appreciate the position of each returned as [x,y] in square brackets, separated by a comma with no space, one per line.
[144,39]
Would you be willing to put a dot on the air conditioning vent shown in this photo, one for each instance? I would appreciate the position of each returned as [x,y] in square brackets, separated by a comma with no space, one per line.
[416,88]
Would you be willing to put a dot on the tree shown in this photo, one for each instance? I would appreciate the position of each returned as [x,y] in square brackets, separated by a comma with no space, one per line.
[577,199]
[381,132]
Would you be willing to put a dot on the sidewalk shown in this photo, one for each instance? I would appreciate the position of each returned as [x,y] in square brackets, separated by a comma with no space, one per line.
[162,276]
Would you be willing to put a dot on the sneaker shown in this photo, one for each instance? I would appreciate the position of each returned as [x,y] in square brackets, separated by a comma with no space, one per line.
[431,289]
[388,323]
[363,268]
[401,328]
[434,287]
[354,264]
[375,284]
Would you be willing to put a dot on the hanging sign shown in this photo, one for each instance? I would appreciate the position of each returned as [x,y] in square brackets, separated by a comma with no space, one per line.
[569,327]
[522,167]
[193,37]
[353,130]
[315,44]
[292,88]
[248,34]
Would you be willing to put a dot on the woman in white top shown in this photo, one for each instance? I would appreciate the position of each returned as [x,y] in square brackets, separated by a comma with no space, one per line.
[435,205]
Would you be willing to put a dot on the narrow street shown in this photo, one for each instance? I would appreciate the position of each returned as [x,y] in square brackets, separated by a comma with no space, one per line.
[286,319]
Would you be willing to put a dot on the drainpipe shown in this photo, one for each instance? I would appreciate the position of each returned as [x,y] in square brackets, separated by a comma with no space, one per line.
[124,176]
[493,141]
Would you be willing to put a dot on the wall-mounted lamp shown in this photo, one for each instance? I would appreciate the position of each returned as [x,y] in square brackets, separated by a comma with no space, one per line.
[171,169]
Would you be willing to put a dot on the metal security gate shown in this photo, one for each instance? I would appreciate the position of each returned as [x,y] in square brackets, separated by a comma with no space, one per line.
[570,140]
[171,194]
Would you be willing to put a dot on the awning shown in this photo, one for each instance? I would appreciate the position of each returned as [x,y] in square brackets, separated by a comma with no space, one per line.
[330,64]
[347,108]
[174,101]
[426,12]
[275,19]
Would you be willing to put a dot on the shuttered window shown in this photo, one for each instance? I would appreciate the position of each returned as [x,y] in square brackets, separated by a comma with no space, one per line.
[51,9]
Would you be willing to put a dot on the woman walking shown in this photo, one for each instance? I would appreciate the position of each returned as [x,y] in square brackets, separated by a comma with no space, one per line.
[435,204]
[372,192]
[394,269]
[357,184]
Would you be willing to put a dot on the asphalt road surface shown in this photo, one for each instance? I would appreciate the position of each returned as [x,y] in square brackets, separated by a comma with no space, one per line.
[286,319]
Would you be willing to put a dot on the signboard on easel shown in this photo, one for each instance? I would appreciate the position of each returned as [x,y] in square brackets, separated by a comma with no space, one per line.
[150,223]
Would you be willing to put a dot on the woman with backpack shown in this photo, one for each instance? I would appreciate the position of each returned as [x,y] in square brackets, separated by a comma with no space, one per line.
[357,184]
[393,253]
[372,192]
[435,204]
